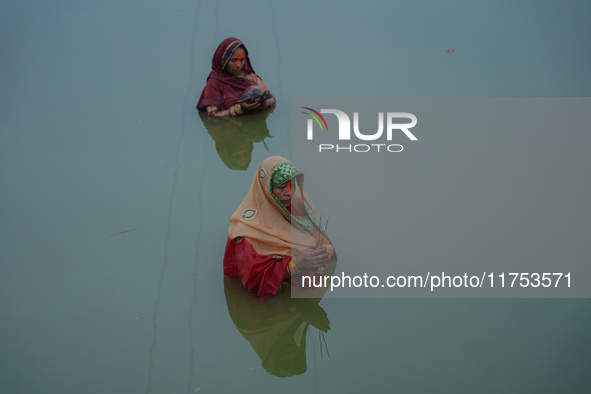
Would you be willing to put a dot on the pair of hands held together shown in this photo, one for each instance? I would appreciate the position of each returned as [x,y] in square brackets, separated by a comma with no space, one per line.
[312,258]
[252,106]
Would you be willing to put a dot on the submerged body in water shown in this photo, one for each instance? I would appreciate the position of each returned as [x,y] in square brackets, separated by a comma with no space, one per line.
[276,327]
[235,136]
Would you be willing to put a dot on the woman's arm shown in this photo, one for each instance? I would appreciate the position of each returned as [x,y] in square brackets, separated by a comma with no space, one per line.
[234,110]
[212,99]
[259,273]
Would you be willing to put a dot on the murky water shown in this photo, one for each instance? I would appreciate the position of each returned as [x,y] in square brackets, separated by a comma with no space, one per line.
[115,197]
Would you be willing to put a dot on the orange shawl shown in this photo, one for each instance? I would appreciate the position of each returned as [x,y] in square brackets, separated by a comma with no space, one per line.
[269,227]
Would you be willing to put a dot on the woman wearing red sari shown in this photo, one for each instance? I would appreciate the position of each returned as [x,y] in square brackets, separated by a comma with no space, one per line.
[275,233]
[233,88]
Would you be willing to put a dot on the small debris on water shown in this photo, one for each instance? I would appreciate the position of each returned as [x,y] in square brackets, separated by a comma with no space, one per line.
[122,232]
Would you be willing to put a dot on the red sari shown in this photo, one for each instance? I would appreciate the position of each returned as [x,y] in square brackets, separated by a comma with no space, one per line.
[259,273]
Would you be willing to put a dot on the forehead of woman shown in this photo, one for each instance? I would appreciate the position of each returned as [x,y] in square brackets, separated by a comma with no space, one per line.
[225,51]
[283,173]
[271,170]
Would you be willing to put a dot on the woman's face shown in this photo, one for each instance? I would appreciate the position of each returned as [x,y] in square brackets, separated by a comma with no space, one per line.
[236,62]
[283,193]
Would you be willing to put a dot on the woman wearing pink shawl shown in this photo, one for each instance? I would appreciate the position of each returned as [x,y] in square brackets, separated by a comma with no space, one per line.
[232,86]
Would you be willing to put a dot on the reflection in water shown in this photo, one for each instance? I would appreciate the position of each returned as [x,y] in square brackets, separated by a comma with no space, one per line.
[235,136]
[276,326]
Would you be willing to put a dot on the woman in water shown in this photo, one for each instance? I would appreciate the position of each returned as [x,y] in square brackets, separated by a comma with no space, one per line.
[275,233]
[232,86]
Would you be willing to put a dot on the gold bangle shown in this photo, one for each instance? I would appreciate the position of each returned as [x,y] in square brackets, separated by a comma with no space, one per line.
[293,267]
[239,111]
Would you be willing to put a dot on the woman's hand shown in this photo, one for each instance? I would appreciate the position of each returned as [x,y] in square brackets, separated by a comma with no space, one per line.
[251,107]
[269,103]
[311,259]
